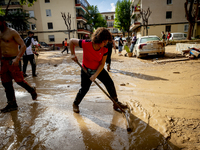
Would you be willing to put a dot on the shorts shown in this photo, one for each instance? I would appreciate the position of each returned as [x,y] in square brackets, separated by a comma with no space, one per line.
[9,72]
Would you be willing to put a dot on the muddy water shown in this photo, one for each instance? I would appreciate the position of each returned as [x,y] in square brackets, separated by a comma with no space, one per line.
[49,122]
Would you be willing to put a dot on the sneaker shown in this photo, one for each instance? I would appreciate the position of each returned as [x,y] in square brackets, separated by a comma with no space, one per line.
[34,94]
[75,108]
[123,106]
[9,108]
[120,54]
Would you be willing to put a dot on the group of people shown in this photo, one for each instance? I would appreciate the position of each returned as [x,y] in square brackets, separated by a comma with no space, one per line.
[165,37]
[95,52]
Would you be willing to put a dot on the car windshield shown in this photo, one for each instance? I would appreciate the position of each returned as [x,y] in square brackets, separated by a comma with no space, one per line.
[146,39]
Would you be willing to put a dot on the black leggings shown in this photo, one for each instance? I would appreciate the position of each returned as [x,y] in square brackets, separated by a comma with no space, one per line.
[30,58]
[86,82]
[66,48]
[108,59]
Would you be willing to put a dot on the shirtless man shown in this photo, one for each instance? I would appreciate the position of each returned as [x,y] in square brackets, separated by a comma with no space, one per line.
[10,57]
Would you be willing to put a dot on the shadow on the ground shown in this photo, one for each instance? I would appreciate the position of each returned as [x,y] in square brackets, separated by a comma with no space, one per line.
[142,137]
[138,75]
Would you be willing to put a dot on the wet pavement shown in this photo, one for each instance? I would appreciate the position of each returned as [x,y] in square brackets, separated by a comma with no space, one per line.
[50,123]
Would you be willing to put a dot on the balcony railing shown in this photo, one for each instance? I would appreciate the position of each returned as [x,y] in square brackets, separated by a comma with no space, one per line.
[84,28]
[82,2]
[2,3]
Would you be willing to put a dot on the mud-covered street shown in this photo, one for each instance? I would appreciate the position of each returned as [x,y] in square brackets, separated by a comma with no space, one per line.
[164,100]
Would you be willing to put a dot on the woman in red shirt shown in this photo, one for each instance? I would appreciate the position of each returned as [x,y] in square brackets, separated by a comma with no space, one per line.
[94,57]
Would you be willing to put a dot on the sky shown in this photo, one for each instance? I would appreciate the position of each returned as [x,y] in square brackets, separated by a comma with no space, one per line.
[104,5]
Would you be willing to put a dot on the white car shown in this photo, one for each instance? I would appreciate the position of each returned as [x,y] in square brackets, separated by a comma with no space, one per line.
[178,36]
[148,45]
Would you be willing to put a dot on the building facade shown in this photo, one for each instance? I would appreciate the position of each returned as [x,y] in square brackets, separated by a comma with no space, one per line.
[110,16]
[49,25]
[167,15]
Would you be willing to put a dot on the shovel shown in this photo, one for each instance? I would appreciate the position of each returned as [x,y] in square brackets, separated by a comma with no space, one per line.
[126,114]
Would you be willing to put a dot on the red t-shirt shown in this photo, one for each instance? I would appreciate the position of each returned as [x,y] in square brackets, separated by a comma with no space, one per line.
[91,57]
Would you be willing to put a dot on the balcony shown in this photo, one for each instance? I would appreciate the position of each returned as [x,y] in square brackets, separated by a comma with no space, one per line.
[135,24]
[81,4]
[84,30]
[13,5]
[81,18]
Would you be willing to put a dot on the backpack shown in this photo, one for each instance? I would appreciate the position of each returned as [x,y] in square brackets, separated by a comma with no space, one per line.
[27,41]
[63,43]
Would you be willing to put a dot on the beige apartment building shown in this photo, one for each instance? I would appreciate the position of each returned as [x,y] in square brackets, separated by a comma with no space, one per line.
[50,26]
[110,16]
[167,15]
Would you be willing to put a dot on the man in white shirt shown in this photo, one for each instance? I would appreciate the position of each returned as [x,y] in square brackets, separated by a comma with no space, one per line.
[29,55]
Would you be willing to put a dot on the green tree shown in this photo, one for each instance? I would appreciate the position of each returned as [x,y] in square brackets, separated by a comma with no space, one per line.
[22,2]
[94,18]
[19,20]
[123,16]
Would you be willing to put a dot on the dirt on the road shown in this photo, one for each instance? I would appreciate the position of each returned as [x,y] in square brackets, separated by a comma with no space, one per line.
[164,95]
[164,98]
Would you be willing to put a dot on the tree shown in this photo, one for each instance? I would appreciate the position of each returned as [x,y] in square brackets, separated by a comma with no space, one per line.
[145,16]
[19,20]
[123,16]
[191,15]
[67,21]
[22,2]
[94,18]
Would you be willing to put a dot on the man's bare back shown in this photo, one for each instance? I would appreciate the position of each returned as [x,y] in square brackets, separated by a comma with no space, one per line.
[9,43]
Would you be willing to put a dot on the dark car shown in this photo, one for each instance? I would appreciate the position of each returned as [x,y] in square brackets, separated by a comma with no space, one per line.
[44,45]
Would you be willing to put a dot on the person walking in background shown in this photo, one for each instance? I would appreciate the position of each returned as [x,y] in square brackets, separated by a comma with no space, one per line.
[133,41]
[94,57]
[66,48]
[163,37]
[10,57]
[120,45]
[29,54]
[168,37]
[110,45]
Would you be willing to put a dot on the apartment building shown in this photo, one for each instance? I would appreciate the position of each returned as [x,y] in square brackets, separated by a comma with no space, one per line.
[167,15]
[50,26]
[110,16]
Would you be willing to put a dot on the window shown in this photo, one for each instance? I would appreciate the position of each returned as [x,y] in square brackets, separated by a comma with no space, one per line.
[33,26]
[47,1]
[168,15]
[31,13]
[50,25]
[186,26]
[48,12]
[51,38]
[169,2]
[168,28]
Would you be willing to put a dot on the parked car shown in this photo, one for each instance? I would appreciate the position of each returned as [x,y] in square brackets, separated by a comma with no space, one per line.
[44,45]
[178,36]
[148,45]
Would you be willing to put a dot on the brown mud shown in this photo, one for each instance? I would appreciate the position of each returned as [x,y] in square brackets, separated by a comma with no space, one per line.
[164,100]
